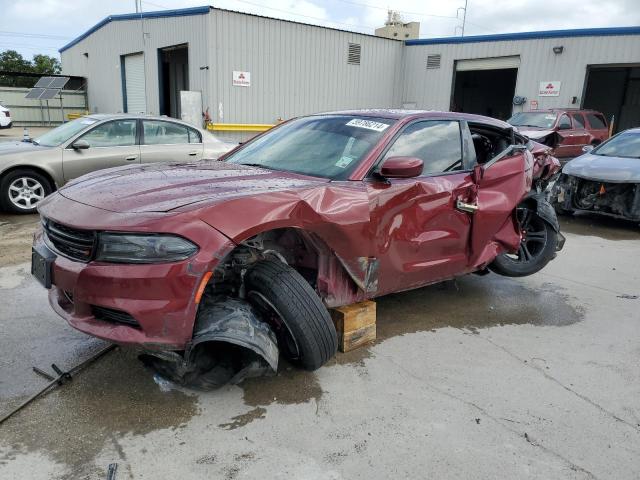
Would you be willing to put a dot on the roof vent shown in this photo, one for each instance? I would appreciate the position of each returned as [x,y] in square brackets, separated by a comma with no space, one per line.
[433,61]
[353,57]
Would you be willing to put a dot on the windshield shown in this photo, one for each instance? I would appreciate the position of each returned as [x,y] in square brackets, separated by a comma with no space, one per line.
[329,146]
[64,132]
[533,119]
[623,145]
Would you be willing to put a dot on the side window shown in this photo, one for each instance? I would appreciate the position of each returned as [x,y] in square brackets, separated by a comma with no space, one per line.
[565,123]
[578,120]
[118,133]
[157,132]
[194,136]
[596,121]
[436,143]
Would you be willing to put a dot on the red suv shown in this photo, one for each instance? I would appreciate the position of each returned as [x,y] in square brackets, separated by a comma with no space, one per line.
[320,211]
[566,131]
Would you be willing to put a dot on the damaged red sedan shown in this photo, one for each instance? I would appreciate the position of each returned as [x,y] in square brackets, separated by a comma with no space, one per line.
[243,256]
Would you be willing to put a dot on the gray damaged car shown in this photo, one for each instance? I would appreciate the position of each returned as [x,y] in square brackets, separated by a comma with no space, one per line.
[605,180]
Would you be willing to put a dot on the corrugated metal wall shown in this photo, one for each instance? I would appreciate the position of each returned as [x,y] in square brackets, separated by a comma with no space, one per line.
[105,47]
[431,89]
[25,111]
[296,69]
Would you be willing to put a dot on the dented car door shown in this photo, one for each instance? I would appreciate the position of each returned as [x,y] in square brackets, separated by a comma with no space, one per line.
[420,237]
[502,184]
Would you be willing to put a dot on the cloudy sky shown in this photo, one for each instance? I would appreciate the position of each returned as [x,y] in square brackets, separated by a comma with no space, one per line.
[43,26]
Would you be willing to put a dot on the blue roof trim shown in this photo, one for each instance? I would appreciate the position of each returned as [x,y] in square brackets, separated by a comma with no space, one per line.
[180,12]
[582,32]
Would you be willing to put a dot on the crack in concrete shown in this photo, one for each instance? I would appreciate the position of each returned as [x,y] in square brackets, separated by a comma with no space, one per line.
[558,382]
[521,435]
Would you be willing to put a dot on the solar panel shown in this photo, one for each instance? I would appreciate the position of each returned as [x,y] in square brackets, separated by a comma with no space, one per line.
[59,82]
[49,93]
[44,82]
[34,93]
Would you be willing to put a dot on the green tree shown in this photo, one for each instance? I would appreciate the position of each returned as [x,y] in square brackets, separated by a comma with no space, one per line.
[12,61]
[45,64]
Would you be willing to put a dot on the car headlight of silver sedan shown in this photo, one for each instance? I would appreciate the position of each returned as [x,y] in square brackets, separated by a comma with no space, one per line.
[143,248]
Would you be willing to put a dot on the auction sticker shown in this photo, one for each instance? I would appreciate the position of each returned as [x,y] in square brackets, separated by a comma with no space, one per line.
[368,124]
[344,161]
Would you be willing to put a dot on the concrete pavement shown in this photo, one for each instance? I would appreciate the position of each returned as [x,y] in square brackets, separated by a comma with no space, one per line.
[483,378]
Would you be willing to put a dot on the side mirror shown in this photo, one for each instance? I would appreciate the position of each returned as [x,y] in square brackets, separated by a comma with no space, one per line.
[587,148]
[80,145]
[401,167]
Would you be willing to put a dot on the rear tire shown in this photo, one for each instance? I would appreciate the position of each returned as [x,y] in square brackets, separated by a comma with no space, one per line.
[21,191]
[289,299]
[537,248]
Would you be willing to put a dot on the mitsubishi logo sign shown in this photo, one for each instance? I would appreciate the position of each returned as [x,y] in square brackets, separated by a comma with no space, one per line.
[549,89]
[241,79]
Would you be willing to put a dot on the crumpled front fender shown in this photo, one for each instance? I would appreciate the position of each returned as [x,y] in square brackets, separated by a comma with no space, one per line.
[235,321]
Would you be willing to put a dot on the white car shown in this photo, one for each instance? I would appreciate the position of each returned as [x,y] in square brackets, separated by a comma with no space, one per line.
[5,117]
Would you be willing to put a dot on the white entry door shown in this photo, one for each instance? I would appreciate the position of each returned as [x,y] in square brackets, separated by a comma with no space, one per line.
[134,83]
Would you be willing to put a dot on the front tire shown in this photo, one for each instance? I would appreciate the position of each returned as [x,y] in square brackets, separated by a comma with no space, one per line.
[306,334]
[22,190]
[537,248]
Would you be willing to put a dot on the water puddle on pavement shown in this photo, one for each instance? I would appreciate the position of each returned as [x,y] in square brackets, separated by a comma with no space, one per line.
[115,395]
[471,302]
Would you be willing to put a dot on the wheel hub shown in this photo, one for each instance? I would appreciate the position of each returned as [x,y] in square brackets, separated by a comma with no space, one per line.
[25,192]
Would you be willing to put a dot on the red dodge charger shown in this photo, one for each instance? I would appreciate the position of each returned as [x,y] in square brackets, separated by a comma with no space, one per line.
[245,254]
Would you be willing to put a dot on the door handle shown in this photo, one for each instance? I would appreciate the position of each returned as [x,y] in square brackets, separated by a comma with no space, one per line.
[132,158]
[466,207]
[193,154]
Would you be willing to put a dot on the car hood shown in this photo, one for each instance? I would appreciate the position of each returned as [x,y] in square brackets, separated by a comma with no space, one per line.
[534,133]
[20,148]
[606,169]
[165,187]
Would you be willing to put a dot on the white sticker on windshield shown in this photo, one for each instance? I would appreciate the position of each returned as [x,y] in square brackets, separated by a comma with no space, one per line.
[368,124]
[344,161]
[550,117]
[88,122]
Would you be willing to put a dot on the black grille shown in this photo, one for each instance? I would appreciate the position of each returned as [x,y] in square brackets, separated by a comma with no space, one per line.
[70,242]
[113,315]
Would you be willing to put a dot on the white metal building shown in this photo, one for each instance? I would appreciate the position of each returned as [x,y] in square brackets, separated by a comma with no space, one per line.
[248,69]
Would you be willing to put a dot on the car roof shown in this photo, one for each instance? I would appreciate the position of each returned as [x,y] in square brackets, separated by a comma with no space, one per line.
[114,116]
[402,114]
[562,110]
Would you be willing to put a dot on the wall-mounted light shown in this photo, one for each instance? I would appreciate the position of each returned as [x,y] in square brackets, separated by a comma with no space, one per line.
[558,50]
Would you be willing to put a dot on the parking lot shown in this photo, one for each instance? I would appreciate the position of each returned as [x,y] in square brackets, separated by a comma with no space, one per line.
[485,377]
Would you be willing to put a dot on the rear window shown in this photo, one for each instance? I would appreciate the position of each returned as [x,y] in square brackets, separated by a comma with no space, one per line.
[596,121]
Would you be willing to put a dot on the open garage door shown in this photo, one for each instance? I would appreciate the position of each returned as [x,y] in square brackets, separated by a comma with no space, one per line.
[614,91]
[133,83]
[485,86]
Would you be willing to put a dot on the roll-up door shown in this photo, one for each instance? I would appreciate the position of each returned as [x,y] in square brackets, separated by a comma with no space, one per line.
[134,84]
[495,63]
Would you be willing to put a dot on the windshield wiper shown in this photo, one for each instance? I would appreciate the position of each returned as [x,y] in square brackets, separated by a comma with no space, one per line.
[259,165]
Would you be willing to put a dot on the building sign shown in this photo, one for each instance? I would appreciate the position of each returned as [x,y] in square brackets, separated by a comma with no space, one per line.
[241,79]
[549,89]
[533,104]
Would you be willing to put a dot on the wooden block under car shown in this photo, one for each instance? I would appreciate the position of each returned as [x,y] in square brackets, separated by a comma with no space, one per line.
[355,324]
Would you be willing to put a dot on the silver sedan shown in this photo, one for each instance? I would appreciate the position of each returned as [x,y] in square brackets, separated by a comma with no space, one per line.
[29,171]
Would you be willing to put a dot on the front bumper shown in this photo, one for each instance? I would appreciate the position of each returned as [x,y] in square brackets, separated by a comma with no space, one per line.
[157,301]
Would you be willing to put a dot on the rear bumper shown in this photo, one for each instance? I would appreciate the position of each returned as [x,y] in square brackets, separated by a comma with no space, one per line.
[6,125]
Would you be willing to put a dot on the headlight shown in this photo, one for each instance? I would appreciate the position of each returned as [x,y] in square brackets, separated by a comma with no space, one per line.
[135,248]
